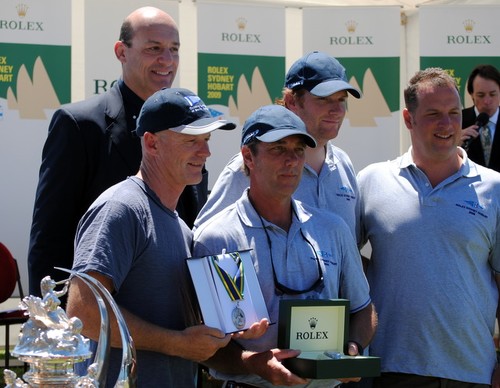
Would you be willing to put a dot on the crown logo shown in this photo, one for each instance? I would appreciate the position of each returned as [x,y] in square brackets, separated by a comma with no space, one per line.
[469,25]
[313,322]
[241,23]
[22,10]
[351,26]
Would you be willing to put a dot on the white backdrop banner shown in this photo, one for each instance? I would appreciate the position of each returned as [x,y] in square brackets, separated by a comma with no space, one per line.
[370,54]
[241,66]
[103,20]
[35,78]
[469,37]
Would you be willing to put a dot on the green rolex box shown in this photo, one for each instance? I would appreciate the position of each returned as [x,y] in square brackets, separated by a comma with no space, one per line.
[320,329]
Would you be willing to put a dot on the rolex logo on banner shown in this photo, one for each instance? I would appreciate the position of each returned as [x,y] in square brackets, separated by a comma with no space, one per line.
[469,37]
[240,37]
[351,38]
[21,25]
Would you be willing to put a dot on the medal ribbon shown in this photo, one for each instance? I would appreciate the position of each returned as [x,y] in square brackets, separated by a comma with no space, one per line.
[233,285]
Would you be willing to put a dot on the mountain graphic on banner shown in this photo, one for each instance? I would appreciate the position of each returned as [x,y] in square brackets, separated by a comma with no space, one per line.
[33,97]
[249,98]
[362,112]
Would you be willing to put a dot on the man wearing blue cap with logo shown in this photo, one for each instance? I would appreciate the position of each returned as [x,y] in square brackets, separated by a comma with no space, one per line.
[294,254]
[132,240]
[316,89]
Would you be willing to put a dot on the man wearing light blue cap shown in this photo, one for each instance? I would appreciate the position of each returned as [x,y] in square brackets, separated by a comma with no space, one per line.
[316,89]
[294,254]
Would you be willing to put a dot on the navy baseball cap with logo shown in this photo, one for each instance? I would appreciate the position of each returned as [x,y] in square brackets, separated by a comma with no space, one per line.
[272,123]
[320,74]
[178,110]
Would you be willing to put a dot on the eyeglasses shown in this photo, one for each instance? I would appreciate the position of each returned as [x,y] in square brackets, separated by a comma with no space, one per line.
[280,286]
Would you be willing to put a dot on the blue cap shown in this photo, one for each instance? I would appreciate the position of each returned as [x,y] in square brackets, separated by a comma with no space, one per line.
[179,110]
[320,74]
[272,123]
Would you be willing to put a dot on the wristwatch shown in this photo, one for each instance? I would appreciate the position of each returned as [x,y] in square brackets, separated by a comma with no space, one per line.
[358,346]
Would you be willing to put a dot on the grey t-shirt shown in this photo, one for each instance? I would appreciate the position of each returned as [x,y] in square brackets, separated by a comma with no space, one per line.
[129,236]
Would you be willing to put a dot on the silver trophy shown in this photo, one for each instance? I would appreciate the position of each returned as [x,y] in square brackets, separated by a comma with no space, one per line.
[51,343]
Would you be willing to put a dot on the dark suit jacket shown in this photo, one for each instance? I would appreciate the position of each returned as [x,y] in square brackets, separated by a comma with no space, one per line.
[88,149]
[475,151]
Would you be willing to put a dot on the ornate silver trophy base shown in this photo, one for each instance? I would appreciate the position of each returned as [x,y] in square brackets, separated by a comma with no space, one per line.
[50,373]
[51,343]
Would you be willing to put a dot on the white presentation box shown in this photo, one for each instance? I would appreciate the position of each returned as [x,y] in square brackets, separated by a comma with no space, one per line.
[215,279]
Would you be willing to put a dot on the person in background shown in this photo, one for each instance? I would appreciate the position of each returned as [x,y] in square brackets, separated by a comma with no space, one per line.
[132,240]
[316,90]
[299,251]
[483,142]
[432,217]
[90,145]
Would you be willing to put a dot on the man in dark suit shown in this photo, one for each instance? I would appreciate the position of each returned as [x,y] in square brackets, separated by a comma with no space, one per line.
[483,86]
[90,145]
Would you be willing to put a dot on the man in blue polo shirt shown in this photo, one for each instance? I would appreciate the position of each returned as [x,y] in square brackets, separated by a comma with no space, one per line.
[298,251]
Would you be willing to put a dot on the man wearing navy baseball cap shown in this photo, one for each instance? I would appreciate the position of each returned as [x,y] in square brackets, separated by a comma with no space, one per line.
[320,74]
[178,110]
[316,89]
[133,241]
[294,254]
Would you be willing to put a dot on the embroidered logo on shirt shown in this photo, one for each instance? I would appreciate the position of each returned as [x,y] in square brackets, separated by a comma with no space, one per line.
[473,208]
[346,192]
[327,258]
[474,205]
